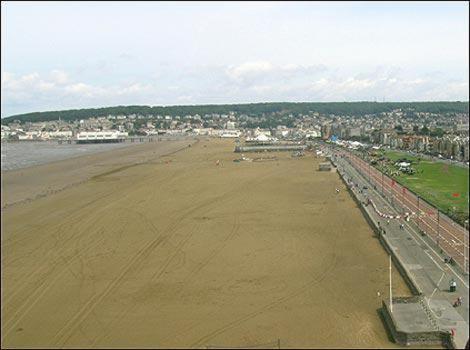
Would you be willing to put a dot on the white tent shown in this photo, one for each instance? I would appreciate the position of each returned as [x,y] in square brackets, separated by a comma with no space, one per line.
[262,137]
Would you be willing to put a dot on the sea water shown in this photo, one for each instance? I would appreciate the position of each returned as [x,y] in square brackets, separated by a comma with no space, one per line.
[16,155]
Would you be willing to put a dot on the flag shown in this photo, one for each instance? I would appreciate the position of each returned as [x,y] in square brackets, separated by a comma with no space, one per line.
[455,195]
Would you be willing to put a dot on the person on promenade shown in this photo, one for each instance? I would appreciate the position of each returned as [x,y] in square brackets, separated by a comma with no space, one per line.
[449,260]
[453,286]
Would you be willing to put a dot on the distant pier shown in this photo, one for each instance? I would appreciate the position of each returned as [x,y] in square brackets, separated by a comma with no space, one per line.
[270,148]
[136,139]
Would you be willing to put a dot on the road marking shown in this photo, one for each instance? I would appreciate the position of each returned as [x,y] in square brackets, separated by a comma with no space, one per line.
[411,205]
[411,229]
[438,283]
[429,299]
[434,261]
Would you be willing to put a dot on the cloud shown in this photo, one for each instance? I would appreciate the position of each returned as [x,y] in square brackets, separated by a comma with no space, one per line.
[9,81]
[416,81]
[83,90]
[45,86]
[135,89]
[257,81]
[249,73]
[31,92]
[59,77]
[125,56]
[249,69]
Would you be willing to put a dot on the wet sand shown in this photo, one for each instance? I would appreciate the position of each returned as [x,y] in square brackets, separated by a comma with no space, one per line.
[180,252]
[26,184]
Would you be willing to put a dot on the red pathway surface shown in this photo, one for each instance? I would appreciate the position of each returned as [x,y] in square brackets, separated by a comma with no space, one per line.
[448,235]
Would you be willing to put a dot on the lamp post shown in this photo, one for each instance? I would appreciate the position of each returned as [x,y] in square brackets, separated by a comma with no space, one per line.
[390,281]
[382,183]
[438,228]
[418,213]
[403,199]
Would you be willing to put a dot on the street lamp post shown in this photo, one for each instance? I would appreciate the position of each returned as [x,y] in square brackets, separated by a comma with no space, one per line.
[382,183]
[390,281]
[438,229]
[403,199]
[465,252]
[418,214]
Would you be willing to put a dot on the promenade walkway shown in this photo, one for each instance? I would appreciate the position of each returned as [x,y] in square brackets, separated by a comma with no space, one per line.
[420,256]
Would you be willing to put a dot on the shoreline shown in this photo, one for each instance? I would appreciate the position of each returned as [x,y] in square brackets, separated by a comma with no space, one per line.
[28,184]
[179,248]
[71,156]
[79,150]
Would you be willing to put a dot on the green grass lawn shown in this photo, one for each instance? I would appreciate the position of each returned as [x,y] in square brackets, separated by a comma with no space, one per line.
[435,182]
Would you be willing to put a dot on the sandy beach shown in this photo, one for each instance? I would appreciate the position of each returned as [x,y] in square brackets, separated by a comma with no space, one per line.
[158,246]
[24,185]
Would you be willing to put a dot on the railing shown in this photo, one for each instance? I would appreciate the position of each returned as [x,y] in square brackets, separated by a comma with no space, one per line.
[449,236]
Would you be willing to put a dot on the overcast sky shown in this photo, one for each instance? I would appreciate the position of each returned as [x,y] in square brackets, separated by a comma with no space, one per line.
[89,54]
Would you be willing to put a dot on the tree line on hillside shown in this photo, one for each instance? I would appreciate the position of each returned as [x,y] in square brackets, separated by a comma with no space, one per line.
[253,110]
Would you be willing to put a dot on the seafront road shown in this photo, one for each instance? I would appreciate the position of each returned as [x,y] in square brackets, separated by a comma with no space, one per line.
[421,256]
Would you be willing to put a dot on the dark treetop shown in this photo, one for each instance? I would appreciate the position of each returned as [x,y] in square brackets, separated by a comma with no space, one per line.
[254,109]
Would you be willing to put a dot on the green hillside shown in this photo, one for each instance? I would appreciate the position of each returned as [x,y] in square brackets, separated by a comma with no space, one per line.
[255,109]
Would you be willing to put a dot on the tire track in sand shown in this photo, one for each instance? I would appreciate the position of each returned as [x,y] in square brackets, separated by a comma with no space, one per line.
[70,327]
[279,301]
[47,283]
[210,202]
[71,220]
[166,263]
[39,292]
[266,307]
[73,217]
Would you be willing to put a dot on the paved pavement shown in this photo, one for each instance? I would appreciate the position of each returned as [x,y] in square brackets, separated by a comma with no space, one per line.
[411,318]
[451,237]
[421,258]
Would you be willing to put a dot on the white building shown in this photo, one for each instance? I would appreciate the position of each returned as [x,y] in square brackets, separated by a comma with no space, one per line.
[101,136]
[230,125]
[6,132]
[57,134]
[230,133]
[204,131]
